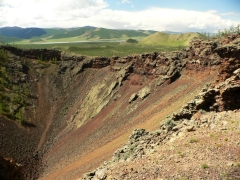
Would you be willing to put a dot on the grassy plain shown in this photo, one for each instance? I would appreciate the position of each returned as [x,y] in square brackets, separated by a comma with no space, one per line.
[102,43]
[107,49]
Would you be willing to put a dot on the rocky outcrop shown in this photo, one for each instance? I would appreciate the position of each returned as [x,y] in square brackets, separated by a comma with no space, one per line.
[152,65]
[96,99]
[231,54]
[133,148]
[222,97]
[201,55]
[229,93]
[40,54]
[142,94]
[229,47]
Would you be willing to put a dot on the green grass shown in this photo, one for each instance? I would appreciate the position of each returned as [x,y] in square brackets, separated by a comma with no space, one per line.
[106,49]
[193,140]
[205,166]
[71,33]
[165,39]
[5,39]
[180,154]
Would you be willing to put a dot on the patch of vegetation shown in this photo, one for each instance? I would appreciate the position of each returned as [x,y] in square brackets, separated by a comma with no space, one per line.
[40,58]
[133,148]
[193,140]
[169,124]
[174,40]
[131,41]
[5,39]
[107,49]
[126,155]
[219,145]
[3,56]
[205,166]
[180,154]
[54,61]
[12,95]
[20,117]
[221,33]
[64,109]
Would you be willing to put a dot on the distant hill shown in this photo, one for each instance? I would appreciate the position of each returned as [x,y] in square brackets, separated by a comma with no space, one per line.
[100,33]
[161,38]
[70,34]
[23,33]
[171,32]
[147,37]
[5,39]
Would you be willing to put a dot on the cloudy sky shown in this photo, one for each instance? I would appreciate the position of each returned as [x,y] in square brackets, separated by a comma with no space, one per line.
[160,15]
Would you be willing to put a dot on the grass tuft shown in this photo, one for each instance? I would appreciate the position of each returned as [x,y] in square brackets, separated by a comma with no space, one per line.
[205,166]
[193,140]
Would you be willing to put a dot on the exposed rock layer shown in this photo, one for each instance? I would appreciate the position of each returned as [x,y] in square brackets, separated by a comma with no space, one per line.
[80,104]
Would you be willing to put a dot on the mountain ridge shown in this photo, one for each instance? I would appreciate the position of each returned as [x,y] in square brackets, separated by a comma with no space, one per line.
[86,32]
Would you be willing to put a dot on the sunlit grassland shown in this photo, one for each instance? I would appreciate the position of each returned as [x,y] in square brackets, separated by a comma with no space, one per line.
[107,49]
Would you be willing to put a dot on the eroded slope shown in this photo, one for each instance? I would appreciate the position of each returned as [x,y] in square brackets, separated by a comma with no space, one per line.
[82,109]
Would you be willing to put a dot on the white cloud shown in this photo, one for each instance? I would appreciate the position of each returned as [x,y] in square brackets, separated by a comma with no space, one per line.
[72,13]
[125,1]
[230,13]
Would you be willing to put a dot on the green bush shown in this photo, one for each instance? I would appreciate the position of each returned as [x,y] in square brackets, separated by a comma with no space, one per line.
[3,55]
[169,124]
[19,116]
[132,41]
[221,33]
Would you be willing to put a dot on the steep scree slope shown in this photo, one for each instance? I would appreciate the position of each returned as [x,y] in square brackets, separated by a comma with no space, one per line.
[82,109]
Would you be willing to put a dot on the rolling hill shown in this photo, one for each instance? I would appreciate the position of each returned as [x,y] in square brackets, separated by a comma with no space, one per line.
[161,38]
[23,33]
[100,33]
[5,39]
[69,34]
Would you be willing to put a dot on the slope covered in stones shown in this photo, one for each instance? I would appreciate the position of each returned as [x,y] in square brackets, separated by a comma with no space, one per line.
[191,144]
[81,110]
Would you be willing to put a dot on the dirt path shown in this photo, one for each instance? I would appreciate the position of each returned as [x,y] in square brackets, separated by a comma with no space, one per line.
[49,120]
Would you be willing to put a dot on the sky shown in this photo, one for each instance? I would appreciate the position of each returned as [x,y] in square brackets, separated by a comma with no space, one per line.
[159,15]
